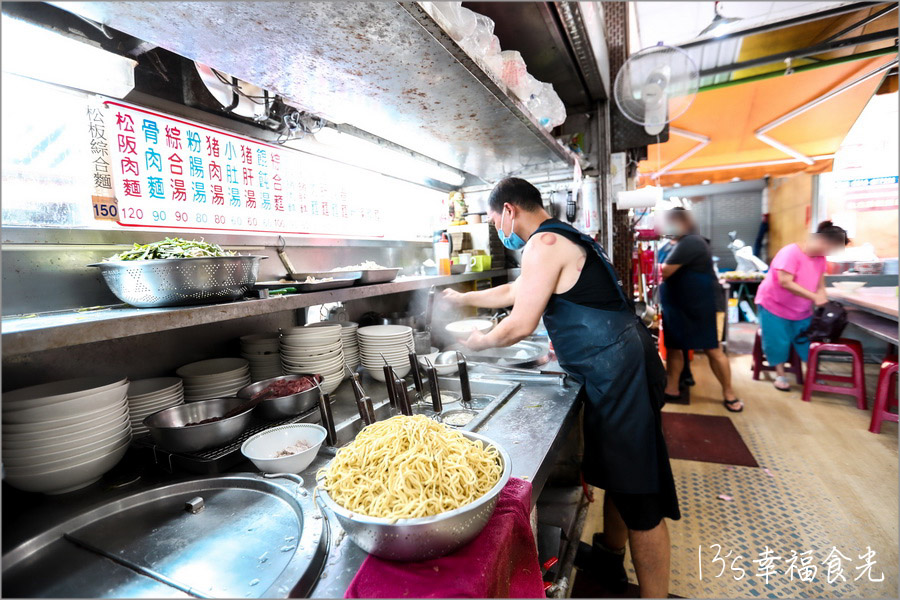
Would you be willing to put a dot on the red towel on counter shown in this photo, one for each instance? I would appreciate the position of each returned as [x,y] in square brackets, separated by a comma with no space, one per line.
[501,562]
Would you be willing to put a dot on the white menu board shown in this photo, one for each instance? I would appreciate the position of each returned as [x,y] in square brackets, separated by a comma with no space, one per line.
[173,173]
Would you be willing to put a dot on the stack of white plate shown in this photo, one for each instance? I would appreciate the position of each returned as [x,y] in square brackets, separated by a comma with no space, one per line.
[350,343]
[62,436]
[385,342]
[147,396]
[261,351]
[315,349]
[214,378]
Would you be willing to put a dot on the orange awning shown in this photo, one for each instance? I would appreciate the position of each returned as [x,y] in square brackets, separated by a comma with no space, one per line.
[730,116]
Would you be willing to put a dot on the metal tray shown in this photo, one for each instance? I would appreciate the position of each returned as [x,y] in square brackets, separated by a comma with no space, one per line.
[378,276]
[215,460]
[338,280]
[523,354]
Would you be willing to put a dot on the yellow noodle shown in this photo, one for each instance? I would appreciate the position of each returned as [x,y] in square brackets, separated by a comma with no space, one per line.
[410,467]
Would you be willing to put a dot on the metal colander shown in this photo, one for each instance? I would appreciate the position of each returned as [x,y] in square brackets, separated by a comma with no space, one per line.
[180,281]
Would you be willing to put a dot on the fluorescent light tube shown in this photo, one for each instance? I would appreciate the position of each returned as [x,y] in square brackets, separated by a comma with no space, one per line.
[39,53]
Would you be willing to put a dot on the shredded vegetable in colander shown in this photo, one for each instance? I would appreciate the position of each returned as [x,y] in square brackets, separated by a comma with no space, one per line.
[171,248]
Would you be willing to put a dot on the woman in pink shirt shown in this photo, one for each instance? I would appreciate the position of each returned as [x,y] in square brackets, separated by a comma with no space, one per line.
[795,281]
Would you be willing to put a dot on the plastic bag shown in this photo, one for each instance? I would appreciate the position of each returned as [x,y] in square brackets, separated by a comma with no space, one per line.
[493,59]
[457,21]
[480,41]
[514,73]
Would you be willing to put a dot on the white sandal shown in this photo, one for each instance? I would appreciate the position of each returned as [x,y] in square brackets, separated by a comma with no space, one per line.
[785,385]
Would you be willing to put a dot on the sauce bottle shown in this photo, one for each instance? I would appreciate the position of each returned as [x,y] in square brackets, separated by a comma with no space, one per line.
[442,255]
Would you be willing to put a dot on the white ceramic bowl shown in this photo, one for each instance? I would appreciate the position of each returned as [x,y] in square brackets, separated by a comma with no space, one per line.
[441,369]
[384,330]
[262,447]
[147,388]
[70,408]
[50,441]
[213,367]
[378,373]
[69,478]
[59,391]
[848,286]
[219,385]
[26,457]
[64,459]
[67,425]
[463,329]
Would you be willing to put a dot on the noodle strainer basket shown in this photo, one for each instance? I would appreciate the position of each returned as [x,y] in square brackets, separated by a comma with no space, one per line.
[180,281]
[426,537]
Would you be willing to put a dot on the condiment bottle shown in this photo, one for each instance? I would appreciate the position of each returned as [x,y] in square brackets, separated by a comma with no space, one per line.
[442,255]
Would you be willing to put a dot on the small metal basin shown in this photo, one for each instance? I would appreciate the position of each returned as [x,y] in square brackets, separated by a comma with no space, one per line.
[168,426]
[286,406]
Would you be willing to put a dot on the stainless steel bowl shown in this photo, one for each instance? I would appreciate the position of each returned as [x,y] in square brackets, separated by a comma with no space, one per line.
[286,406]
[426,537]
[167,426]
[178,281]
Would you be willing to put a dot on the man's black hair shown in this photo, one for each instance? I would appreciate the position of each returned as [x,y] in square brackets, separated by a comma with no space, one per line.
[517,192]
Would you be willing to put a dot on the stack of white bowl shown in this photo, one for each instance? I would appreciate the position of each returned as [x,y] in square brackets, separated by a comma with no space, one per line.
[261,351]
[147,396]
[62,436]
[350,343]
[385,342]
[315,349]
[214,378]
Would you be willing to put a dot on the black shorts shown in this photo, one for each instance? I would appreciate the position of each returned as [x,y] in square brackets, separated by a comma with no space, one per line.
[642,512]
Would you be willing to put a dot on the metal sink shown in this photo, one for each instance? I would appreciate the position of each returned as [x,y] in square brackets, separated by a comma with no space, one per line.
[500,391]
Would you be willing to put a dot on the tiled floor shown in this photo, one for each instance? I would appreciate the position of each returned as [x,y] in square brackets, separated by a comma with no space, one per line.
[824,481]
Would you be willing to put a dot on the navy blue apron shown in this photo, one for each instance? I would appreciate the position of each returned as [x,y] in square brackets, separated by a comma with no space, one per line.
[613,357]
[688,300]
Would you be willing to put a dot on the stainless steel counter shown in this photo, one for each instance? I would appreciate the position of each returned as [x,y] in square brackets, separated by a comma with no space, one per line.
[531,425]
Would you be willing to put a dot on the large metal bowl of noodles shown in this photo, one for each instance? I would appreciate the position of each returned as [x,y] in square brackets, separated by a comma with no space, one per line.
[425,537]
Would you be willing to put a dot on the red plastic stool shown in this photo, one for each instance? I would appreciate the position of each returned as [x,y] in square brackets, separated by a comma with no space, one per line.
[858,378]
[885,395]
[760,364]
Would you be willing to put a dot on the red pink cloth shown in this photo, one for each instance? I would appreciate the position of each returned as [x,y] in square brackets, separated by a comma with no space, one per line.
[501,562]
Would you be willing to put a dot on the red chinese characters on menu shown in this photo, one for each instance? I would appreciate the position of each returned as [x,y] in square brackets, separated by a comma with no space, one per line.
[171,173]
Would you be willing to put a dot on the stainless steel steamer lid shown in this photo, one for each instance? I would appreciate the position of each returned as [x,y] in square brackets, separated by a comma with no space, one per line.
[253,537]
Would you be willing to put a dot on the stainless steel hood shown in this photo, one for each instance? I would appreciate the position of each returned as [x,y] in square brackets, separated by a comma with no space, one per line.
[384,67]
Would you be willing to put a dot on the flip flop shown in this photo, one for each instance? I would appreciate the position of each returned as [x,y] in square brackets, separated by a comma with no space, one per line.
[730,403]
[783,380]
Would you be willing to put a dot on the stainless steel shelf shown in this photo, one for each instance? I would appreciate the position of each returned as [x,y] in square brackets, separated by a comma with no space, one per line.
[23,335]
[384,67]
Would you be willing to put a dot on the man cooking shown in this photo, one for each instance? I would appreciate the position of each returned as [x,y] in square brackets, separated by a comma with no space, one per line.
[568,279]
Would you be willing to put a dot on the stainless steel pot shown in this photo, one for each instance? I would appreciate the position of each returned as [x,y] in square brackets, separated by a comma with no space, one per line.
[286,406]
[426,537]
[168,426]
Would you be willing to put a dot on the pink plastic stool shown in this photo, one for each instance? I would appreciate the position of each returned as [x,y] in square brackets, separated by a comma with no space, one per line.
[885,395]
[858,378]
[760,364]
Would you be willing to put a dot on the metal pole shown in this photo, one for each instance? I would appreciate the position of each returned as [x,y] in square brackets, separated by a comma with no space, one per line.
[824,14]
[604,181]
[802,52]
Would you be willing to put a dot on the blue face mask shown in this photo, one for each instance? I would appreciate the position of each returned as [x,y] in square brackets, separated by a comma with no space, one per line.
[513,242]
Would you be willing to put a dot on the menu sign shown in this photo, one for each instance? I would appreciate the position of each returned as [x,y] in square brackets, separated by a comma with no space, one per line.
[178,174]
[871,193]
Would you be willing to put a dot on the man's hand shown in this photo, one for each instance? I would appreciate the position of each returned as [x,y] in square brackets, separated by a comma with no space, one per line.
[476,341]
[453,297]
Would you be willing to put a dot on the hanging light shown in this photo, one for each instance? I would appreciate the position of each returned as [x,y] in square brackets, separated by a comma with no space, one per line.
[719,25]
